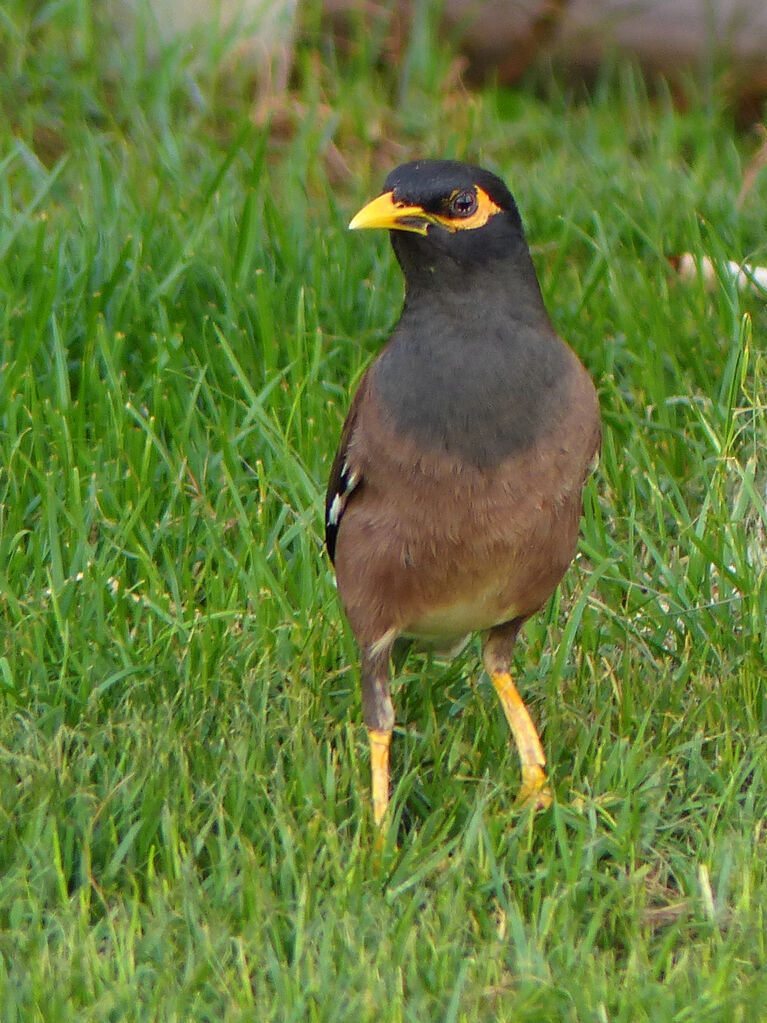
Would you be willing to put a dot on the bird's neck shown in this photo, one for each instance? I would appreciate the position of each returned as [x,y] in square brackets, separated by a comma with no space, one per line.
[467,289]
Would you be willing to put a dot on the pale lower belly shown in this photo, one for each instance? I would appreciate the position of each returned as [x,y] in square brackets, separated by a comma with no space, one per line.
[449,624]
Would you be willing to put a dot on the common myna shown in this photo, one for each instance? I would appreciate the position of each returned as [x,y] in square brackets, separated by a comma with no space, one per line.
[455,496]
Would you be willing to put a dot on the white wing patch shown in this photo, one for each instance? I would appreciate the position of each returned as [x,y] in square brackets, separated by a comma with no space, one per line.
[334,512]
[347,482]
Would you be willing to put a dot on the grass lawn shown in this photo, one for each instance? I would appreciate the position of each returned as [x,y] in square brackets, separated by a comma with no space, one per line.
[185,824]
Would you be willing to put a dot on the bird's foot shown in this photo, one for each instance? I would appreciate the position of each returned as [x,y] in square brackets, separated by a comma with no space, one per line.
[535,792]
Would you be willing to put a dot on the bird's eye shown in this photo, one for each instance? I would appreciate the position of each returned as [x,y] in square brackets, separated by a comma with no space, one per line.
[463,204]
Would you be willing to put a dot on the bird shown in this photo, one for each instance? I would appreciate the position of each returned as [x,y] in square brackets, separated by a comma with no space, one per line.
[454,499]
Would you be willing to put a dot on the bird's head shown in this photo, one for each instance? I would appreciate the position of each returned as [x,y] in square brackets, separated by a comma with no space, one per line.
[446,216]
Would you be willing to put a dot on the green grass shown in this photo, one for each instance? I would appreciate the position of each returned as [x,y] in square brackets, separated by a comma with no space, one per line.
[185,828]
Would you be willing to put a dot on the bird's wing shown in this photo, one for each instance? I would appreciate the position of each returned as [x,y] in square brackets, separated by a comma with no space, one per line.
[345,475]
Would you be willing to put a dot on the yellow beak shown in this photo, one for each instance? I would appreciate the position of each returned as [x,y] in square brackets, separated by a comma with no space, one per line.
[385,212]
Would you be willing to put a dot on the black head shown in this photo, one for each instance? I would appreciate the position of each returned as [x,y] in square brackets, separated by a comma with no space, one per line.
[458,195]
[447,217]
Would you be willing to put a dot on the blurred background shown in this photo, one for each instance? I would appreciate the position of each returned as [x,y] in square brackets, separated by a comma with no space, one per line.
[494,40]
[185,831]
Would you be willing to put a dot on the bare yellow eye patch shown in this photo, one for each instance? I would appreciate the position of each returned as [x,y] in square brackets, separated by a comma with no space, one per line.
[385,211]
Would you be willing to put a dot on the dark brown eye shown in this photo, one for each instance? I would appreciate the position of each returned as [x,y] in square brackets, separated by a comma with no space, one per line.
[463,204]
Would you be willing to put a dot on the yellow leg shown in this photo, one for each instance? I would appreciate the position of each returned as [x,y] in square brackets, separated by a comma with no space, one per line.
[379,762]
[535,790]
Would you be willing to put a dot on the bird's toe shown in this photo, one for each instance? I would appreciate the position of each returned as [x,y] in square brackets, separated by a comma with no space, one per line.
[535,791]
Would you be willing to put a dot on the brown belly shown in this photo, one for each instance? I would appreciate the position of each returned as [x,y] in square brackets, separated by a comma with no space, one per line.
[434,547]
[465,573]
